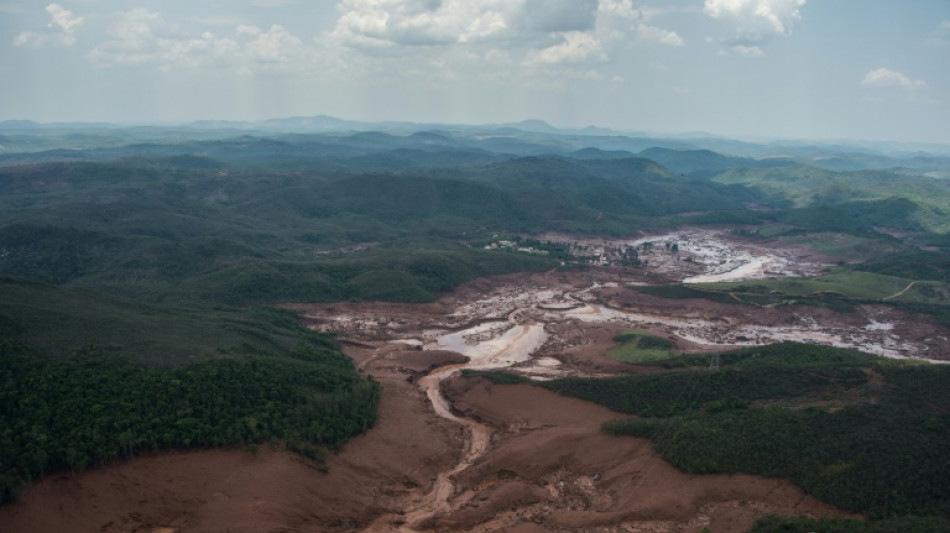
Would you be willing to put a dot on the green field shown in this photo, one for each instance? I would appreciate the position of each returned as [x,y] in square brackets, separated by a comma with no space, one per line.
[844,246]
[849,200]
[848,284]
[638,347]
[839,291]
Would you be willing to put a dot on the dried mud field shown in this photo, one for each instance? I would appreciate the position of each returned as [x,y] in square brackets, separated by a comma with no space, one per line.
[460,454]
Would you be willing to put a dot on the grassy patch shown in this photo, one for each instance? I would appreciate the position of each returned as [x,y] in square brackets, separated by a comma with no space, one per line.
[496,377]
[783,355]
[834,290]
[638,347]
[841,245]
[844,283]
[747,294]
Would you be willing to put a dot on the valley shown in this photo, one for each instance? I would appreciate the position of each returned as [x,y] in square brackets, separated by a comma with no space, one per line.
[530,332]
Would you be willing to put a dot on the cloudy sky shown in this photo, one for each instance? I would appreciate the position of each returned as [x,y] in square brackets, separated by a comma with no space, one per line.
[816,69]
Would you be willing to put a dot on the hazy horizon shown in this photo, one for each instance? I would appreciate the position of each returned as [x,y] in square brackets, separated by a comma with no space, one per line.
[745,69]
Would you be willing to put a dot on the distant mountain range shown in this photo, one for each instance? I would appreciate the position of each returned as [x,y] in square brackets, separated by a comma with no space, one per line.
[696,154]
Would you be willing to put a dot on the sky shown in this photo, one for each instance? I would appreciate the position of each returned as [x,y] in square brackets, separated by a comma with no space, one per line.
[793,69]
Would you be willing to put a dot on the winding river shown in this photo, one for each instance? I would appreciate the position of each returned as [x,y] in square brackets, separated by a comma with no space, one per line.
[494,344]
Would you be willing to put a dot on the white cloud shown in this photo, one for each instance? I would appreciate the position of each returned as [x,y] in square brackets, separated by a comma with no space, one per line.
[386,23]
[141,37]
[945,25]
[528,24]
[61,30]
[484,27]
[619,19]
[619,8]
[746,50]
[556,36]
[885,77]
[276,47]
[577,47]
[247,30]
[653,34]
[565,39]
[63,18]
[758,18]
[756,21]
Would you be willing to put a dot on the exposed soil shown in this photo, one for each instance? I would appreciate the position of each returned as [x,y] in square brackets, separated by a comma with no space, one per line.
[461,454]
[549,464]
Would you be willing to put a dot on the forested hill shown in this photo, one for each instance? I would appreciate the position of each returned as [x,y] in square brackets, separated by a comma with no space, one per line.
[160,231]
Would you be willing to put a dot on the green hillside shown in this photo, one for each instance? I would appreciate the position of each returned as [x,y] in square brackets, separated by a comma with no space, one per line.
[899,201]
[56,322]
[199,236]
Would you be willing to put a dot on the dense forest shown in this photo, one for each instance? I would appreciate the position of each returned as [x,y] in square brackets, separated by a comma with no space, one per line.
[91,408]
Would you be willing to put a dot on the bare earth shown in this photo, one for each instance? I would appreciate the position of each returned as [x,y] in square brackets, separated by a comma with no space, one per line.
[458,454]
